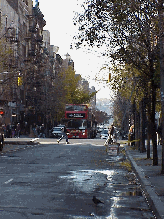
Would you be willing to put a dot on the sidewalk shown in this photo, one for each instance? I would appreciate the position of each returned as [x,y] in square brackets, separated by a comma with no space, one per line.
[23,140]
[150,177]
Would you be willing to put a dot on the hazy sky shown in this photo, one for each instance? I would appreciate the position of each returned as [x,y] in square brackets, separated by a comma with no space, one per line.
[59,21]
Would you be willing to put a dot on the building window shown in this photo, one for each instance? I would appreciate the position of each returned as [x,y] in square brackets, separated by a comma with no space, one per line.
[26,2]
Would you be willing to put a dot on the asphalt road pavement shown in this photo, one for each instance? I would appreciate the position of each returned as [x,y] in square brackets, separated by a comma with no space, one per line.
[54,181]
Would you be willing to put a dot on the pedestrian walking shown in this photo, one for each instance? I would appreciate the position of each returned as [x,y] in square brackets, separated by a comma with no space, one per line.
[131,136]
[110,138]
[13,131]
[34,128]
[111,131]
[18,129]
[159,134]
[4,130]
[42,133]
[38,130]
[64,135]
[8,131]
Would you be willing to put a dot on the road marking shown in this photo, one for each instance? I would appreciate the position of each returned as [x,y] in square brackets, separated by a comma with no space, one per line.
[8,181]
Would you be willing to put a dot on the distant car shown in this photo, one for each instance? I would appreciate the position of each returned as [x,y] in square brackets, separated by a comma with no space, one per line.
[104,134]
[61,126]
[100,129]
[56,132]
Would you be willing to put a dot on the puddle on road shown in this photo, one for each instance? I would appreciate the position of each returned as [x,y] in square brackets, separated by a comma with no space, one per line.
[87,180]
[115,157]
[135,192]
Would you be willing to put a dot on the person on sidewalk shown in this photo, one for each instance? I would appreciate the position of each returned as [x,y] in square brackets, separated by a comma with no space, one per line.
[64,134]
[42,132]
[159,134]
[18,129]
[131,136]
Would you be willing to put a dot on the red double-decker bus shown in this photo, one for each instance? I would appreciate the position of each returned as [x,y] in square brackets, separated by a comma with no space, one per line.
[80,121]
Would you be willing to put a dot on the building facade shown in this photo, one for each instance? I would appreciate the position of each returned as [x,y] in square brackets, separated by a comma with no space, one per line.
[30,68]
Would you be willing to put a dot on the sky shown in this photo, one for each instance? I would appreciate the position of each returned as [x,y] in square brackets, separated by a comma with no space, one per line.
[58,15]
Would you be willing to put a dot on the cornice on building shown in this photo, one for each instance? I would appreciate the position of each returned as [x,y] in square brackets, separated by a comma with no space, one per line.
[37,13]
[13,4]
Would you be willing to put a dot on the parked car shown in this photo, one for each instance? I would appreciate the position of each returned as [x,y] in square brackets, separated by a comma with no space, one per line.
[56,132]
[104,134]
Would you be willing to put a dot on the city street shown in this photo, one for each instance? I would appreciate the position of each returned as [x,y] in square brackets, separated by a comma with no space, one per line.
[51,180]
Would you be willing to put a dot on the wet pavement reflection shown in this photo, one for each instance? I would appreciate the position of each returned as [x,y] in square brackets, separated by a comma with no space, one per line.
[52,181]
[118,188]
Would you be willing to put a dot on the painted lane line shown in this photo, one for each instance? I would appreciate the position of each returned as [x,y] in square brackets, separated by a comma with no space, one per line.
[8,181]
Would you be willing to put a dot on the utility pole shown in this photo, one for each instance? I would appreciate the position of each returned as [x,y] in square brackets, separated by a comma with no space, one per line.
[161,42]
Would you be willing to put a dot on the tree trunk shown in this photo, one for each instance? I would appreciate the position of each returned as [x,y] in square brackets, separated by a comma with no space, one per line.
[142,126]
[154,138]
[137,128]
[134,118]
[161,42]
[148,127]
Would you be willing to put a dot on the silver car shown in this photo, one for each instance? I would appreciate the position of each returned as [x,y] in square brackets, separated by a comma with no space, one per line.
[56,132]
[104,134]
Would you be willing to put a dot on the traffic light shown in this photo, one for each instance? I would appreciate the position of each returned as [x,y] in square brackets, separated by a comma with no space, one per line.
[1,111]
[109,77]
[20,81]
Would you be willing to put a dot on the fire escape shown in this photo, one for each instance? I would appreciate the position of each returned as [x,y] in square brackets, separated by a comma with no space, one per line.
[34,64]
[9,93]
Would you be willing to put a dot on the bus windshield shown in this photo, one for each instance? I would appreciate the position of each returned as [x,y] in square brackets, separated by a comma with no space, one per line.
[76,107]
[77,124]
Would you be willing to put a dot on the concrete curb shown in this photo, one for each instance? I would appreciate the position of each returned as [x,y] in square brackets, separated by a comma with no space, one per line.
[153,199]
[21,142]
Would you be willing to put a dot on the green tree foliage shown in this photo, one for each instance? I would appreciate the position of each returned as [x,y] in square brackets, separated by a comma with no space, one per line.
[6,55]
[121,112]
[101,116]
[129,28]
[128,83]
[73,92]
[7,73]
[67,90]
